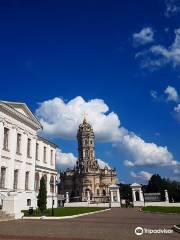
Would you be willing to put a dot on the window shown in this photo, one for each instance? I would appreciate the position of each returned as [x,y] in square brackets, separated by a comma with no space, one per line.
[98,191]
[51,157]
[2,177]
[44,155]
[52,184]
[28,202]
[6,138]
[29,148]
[37,182]
[27,181]
[86,153]
[15,179]
[37,151]
[18,147]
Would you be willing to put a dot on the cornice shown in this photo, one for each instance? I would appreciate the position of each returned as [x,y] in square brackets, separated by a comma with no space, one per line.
[20,116]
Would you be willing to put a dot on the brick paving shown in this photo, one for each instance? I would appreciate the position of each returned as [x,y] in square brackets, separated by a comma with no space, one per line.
[116,224]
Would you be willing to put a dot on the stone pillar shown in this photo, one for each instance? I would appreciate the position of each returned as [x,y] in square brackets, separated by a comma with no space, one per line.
[137,188]
[114,190]
[1,136]
[141,196]
[166,196]
[67,197]
[88,196]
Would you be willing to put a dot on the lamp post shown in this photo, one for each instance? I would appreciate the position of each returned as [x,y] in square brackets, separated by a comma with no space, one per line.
[53,188]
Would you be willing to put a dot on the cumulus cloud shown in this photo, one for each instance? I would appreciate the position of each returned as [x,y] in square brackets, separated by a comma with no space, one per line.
[65,160]
[177,112]
[61,119]
[146,154]
[142,175]
[172,94]
[146,35]
[159,55]
[68,160]
[172,7]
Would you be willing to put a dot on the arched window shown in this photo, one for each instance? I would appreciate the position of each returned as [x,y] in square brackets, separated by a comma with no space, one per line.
[104,192]
[37,182]
[52,184]
[137,195]
[3,177]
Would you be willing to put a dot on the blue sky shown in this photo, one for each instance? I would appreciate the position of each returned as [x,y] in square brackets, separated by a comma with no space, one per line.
[116,51]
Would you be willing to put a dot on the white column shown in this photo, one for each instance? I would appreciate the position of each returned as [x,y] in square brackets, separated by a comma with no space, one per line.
[48,184]
[1,136]
[12,149]
[166,196]
[88,196]
[141,195]
[111,194]
[134,195]
[118,195]
[23,158]
[67,197]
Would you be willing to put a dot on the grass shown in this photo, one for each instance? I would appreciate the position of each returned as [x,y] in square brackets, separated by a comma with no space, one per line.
[61,212]
[162,209]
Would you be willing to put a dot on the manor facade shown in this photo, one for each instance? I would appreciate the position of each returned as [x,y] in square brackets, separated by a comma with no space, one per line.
[87,177]
[24,156]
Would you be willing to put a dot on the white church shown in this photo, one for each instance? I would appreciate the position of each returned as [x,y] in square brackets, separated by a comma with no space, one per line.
[24,158]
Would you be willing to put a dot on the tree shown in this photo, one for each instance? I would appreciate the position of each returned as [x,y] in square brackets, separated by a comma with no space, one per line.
[158,184]
[42,196]
[125,191]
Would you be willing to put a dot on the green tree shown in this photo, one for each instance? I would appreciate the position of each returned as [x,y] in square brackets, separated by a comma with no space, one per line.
[125,191]
[42,196]
[158,184]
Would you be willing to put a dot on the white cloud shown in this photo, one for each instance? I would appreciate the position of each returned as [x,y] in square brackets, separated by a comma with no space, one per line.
[68,160]
[159,55]
[146,35]
[65,160]
[146,154]
[172,94]
[143,175]
[177,112]
[172,7]
[61,119]
[153,94]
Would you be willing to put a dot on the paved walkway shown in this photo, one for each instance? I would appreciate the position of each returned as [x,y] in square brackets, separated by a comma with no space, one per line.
[116,224]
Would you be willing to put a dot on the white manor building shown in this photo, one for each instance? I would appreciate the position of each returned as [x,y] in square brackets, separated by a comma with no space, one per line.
[24,157]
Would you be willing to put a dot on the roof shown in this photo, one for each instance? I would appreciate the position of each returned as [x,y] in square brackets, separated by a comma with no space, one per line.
[21,109]
[135,185]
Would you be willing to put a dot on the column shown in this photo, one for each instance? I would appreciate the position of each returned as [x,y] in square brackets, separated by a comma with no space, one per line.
[88,196]
[166,196]
[67,197]
[141,195]
[118,195]
[1,136]
[12,149]
[134,195]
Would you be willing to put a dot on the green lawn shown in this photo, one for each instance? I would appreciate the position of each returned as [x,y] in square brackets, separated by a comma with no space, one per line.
[60,212]
[162,209]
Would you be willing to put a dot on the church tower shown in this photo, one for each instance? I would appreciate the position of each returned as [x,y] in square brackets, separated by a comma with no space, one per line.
[86,159]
